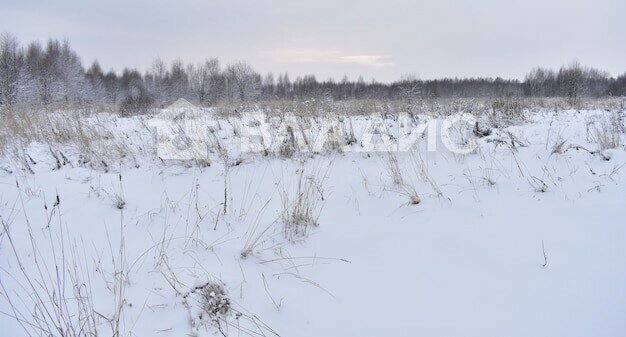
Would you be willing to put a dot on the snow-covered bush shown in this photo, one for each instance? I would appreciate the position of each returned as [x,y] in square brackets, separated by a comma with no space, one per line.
[288,146]
[207,305]
[215,302]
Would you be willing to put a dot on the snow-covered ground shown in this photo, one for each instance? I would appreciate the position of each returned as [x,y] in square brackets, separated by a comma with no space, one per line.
[522,237]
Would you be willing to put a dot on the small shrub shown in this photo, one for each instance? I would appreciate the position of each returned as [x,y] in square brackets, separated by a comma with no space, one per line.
[215,302]
[288,146]
[136,103]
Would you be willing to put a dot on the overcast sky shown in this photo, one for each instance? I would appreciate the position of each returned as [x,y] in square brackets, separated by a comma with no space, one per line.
[330,38]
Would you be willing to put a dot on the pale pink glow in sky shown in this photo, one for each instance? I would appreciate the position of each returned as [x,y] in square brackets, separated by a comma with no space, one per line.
[323,57]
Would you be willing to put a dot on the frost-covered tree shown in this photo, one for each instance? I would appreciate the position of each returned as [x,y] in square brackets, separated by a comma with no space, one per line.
[156,80]
[540,83]
[202,78]
[72,76]
[95,78]
[216,80]
[284,88]
[268,90]
[571,80]
[242,82]
[53,74]
[136,99]
[11,62]
[40,75]
[178,81]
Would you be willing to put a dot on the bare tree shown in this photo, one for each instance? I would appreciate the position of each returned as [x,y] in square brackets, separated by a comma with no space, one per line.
[268,90]
[11,61]
[95,78]
[178,82]
[71,73]
[39,74]
[157,80]
[242,82]
[53,73]
[571,80]
[202,78]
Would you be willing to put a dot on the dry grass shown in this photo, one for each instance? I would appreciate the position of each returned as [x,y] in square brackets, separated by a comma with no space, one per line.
[607,130]
[91,138]
[402,183]
[393,168]
[504,109]
[50,292]
[302,205]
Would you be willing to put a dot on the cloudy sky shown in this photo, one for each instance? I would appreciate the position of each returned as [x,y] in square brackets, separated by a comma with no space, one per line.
[330,38]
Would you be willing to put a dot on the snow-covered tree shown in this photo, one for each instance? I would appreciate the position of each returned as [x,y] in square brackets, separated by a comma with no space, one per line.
[11,62]
[243,83]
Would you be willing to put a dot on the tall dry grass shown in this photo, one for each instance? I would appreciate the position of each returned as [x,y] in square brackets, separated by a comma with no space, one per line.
[90,137]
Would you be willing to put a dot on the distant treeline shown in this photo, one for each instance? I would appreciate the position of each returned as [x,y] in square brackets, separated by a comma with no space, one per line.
[53,73]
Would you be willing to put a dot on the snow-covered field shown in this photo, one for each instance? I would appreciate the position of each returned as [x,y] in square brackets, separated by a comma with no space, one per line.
[525,236]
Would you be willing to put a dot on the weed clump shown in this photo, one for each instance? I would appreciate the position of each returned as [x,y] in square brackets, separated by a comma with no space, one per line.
[215,302]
